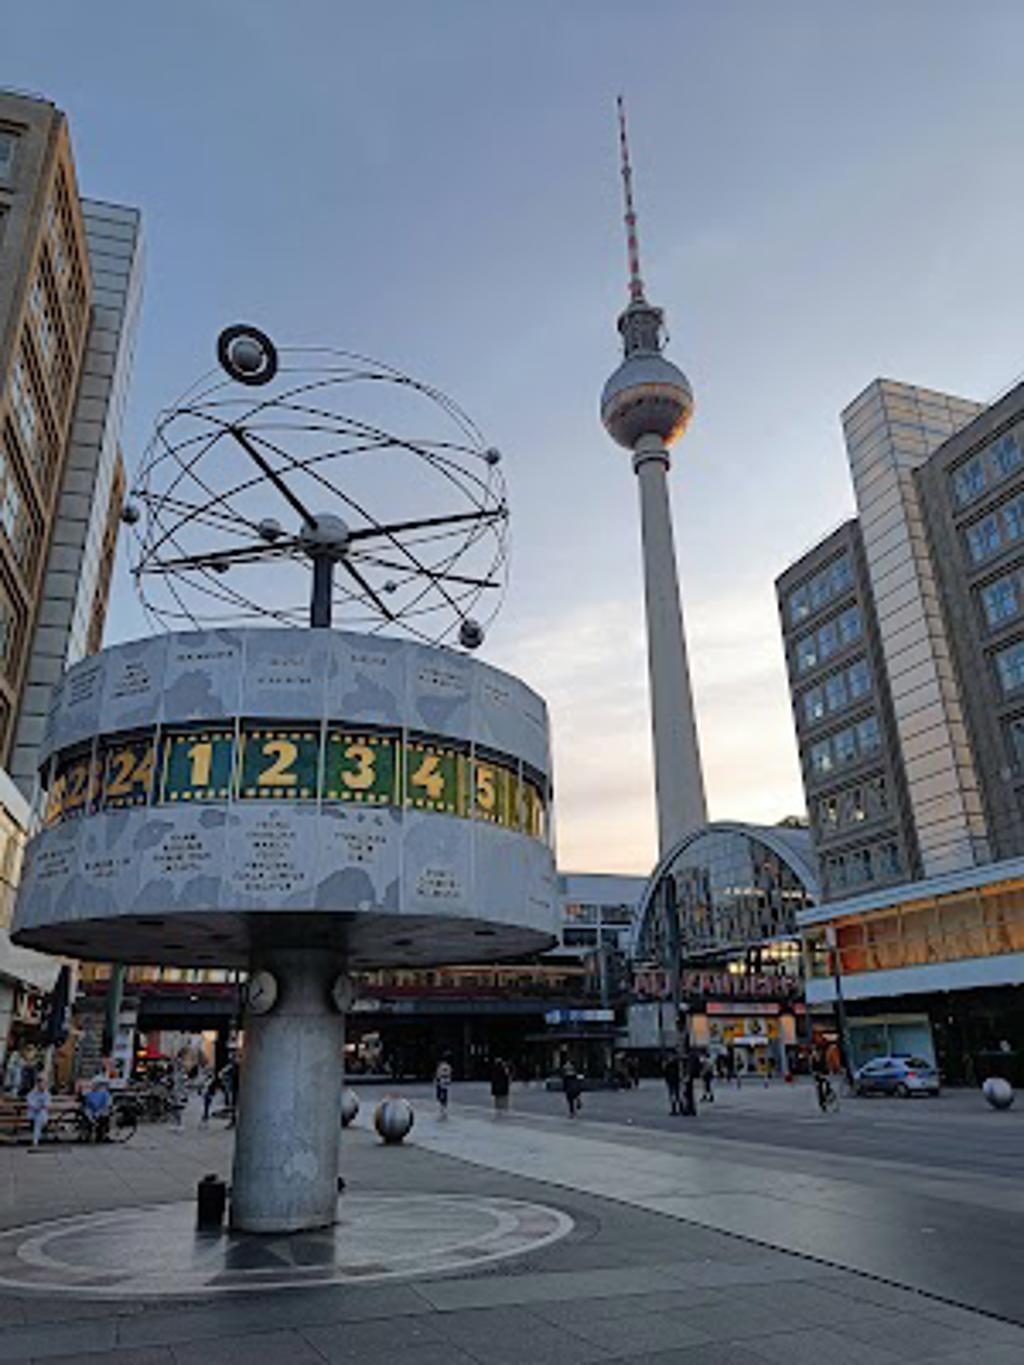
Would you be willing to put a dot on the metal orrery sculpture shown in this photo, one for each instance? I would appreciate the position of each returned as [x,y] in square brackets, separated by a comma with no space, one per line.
[297,802]
[322,439]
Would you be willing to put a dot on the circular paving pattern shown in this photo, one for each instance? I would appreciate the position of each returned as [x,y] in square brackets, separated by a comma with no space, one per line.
[154,1250]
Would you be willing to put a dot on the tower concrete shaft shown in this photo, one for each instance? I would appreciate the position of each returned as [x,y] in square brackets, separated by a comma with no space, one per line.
[679,781]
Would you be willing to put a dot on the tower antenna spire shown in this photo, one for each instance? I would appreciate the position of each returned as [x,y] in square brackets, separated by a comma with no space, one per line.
[636,284]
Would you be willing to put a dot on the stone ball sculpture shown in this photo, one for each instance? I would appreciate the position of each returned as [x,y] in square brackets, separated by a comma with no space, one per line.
[998,1093]
[393,1119]
[349,1107]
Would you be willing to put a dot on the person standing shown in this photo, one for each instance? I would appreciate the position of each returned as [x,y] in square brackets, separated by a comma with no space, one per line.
[707,1073]
[442,1084]
[673,1079]
[501,1083]
[37,1103]
[572,1088]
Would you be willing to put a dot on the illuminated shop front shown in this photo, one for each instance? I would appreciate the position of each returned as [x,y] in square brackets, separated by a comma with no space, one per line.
[718,939]
[933,967]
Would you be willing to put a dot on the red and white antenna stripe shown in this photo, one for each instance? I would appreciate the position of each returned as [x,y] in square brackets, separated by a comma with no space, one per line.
[636,284]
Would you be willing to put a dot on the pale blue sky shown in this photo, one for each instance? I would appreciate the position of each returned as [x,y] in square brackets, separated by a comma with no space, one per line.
[827,193]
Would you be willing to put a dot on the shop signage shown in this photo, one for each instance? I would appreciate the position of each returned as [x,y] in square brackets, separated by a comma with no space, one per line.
[738,985]
[557,1017]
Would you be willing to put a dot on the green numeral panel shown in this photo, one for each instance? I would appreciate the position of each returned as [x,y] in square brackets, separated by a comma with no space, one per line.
[197,765]
[280,765]
[361,767]
[435,778]
[128,773]
[494,793]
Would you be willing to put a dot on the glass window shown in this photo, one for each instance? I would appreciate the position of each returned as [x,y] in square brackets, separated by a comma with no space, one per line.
[849,625]
[983,539]
[969,481]
[888,859]
[1000,600]
[799,604]
[844,744]
[821,757]
[1006,456]
[7,145]
[858,677]
[868,737]
[836,695]
[580,914]
[1010,667]
[828,639]
[23,403]
[806,653]
[1012,521]
[579,938]
[814,705]
[7,623]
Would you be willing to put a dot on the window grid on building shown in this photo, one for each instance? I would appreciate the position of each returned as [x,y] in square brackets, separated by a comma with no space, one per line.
[830,637]
[986,470]
[852,744]
[997,531]
[836,692]
[826,585]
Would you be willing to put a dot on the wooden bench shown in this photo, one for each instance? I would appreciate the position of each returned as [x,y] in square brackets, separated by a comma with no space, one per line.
[16,1126]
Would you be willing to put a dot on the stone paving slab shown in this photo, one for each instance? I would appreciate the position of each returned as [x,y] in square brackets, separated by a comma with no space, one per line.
[627,1284]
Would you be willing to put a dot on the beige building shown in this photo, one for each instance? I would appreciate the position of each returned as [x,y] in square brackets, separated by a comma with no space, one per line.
[70,286]
[45,298]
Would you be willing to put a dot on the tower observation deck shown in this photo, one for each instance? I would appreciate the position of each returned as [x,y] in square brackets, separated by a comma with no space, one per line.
[645,407]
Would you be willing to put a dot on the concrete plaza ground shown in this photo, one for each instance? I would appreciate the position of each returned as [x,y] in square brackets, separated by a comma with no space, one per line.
[676,1251]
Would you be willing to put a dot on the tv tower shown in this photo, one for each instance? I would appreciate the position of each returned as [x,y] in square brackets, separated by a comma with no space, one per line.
[645,407]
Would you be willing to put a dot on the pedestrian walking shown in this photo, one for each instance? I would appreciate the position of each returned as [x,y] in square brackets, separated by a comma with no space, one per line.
[822,1086]
[572,1088]
[673,1075]
[501,1083]
[707,1074]
[691,1074]
[12,1073]
[37,1103]
[213,1084]
[442,1085]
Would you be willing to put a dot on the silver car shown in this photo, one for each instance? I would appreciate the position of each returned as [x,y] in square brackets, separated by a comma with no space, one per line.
[901,1075]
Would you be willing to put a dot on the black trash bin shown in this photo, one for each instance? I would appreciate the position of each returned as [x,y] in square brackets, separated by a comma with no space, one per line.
[211,1201]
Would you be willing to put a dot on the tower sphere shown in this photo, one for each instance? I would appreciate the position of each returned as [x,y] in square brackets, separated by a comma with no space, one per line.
[646,396]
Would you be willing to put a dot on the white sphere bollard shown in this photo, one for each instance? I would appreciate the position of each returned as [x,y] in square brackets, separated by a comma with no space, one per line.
[393,1119]
[998,1093]
[349,1107]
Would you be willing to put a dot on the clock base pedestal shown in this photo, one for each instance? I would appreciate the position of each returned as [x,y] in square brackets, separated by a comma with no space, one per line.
[285,1174]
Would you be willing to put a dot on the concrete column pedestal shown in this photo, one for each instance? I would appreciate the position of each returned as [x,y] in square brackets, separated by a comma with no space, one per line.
[285,1174]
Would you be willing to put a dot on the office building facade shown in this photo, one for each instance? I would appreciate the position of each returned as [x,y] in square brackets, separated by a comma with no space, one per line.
[926,949]
[70,284]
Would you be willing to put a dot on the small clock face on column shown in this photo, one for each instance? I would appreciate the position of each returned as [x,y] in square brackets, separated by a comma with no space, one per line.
[341,993]
[261,993]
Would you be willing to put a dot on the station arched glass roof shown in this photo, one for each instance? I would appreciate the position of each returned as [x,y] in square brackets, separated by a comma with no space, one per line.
[726,887]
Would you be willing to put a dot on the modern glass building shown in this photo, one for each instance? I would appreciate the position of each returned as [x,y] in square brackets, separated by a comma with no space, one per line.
[920,836]
[717,940]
